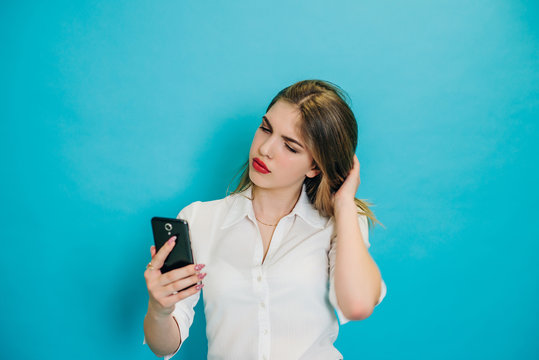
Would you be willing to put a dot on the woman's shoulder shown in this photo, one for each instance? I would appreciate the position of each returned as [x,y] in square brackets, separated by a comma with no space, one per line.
[206,208]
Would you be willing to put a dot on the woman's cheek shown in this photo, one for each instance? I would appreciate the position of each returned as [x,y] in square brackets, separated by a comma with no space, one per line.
[294,167]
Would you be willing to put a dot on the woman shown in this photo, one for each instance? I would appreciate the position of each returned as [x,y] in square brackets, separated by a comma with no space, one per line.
[284,250]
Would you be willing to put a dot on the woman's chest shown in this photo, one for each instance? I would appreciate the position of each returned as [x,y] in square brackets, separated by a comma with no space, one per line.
[243,259]
[265,236]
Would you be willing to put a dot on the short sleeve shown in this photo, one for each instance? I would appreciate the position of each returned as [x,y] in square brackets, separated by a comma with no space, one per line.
[364,228]
[188,213]
[184,312]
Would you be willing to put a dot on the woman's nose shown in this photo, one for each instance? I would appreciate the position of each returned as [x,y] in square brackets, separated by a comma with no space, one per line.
[266,148]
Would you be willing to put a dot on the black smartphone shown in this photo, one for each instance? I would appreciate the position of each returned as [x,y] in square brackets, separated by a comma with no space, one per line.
[163,229]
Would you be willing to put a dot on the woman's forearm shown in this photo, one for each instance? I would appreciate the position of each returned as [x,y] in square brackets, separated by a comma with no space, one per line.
[357,278]
[162,333]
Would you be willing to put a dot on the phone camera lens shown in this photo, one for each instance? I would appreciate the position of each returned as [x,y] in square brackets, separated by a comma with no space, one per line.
[168,227]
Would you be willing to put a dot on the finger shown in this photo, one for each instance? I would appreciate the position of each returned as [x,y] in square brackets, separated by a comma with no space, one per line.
[183,284]
[358,166]
[177,274]
[159,258]
[162,291]
[173,299]
[355,168]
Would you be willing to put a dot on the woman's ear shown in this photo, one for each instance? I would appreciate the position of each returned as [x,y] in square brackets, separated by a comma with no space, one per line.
[313,172]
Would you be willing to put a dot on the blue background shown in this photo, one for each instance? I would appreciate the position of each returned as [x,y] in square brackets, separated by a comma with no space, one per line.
[114,112]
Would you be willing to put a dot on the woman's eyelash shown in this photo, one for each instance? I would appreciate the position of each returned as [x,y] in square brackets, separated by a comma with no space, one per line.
[268,130]
[289,148]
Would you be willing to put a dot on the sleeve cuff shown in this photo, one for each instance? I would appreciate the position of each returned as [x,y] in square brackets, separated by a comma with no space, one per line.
[383,292]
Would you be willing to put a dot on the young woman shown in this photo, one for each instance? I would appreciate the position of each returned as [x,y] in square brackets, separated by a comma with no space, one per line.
[284,250]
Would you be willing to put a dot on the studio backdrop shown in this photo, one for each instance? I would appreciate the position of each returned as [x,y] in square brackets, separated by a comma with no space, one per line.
[116,111]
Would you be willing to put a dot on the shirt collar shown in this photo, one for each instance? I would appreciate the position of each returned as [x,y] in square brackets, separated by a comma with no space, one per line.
[241,206]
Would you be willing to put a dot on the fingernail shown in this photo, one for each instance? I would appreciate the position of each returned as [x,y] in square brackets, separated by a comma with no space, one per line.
[201,276]
[172,239]
[199,267]
[199,286]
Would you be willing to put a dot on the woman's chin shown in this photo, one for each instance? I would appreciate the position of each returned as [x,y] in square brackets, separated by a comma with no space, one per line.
[252,176]
[256,178]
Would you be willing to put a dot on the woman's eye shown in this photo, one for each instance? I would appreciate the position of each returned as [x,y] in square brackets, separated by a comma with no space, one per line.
[289,148]
[269,131]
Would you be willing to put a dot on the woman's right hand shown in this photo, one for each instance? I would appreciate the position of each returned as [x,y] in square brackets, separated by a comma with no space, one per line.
[167,289]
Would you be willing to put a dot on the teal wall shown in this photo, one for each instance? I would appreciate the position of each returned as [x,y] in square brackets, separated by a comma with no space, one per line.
[116,111]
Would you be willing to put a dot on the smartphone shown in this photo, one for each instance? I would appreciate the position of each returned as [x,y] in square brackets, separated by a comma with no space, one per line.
[163,229]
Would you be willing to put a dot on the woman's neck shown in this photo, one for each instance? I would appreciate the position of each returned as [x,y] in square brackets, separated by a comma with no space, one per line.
[270,205]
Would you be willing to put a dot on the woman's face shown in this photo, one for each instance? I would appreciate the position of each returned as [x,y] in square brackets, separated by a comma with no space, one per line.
[278,146]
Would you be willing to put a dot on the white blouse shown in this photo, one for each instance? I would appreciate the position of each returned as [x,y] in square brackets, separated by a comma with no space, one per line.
[281,308]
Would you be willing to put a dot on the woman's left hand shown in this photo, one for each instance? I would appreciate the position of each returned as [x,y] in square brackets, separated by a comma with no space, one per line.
[350,185]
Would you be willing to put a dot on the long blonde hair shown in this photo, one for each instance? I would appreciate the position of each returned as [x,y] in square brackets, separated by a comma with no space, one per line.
[329,129]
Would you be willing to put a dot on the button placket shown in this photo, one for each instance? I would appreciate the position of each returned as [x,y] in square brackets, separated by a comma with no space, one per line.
[264,321]
[258,280]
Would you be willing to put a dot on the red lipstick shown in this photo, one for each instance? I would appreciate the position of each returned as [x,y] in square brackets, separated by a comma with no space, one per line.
[260,166]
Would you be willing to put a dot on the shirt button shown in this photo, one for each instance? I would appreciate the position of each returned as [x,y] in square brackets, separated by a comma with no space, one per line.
[259,278]
[265,331]
[262,305]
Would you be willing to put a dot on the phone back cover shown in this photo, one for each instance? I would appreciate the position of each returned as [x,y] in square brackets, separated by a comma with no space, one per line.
[164,229]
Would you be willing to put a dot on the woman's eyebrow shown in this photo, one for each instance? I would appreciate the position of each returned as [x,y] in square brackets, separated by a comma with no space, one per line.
[287,138]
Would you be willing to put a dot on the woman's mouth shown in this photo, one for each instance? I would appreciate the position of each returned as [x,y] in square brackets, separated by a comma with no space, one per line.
[260,166]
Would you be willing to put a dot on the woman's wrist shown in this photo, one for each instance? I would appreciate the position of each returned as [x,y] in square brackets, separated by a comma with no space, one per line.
[157,315]
[344,204]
